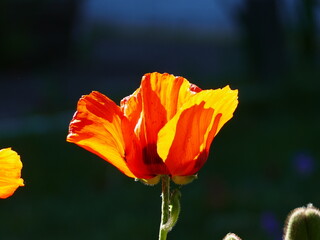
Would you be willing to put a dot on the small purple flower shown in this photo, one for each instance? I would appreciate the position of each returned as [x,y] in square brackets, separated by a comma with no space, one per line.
[304,164]
[271,225]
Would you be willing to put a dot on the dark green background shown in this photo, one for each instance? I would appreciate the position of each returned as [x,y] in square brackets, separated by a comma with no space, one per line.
[250,181]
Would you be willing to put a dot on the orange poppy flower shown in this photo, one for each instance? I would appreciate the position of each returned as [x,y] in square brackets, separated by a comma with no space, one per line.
[10,171]
[164,128]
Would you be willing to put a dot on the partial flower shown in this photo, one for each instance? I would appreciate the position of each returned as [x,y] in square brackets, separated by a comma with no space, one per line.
[10,172]
[165,127]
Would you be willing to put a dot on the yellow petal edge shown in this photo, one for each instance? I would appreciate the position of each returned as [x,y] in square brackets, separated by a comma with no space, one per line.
[10,172]
[223,101]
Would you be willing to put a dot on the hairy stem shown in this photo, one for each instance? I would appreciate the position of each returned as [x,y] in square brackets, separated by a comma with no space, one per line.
[165,207]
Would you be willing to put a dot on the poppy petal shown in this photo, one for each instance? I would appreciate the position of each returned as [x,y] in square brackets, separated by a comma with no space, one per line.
[148,109]
[185,140]
[96,127]
[10,172]
[169,91]
[131,106]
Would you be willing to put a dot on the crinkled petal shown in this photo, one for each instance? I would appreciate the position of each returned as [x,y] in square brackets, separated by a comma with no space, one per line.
[96,126]
[147,110]
[131,106]
[168,91]
[10,172]
[185,140]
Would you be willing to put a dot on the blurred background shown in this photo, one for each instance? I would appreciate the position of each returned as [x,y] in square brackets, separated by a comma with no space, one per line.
[263,164]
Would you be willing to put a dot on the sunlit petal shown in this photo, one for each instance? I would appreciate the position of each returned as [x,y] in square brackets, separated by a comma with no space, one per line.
[131,106]
[96,126]
[167,90]
[185,140]
[10,172]
[148,109]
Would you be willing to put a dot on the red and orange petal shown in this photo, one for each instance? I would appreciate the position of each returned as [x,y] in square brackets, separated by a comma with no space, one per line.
[184,142]
[96,126]
[10,172]
[166,90]
[148,109]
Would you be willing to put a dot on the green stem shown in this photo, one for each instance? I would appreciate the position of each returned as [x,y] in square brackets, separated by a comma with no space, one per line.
[165,207]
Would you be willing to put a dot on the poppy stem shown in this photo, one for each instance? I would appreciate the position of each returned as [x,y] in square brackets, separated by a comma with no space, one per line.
[165,207]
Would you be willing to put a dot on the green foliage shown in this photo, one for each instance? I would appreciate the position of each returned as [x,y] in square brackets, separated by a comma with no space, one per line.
[174,209]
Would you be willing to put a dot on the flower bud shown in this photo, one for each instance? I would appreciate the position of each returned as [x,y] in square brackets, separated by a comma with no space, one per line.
[231,236]
[303,223]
